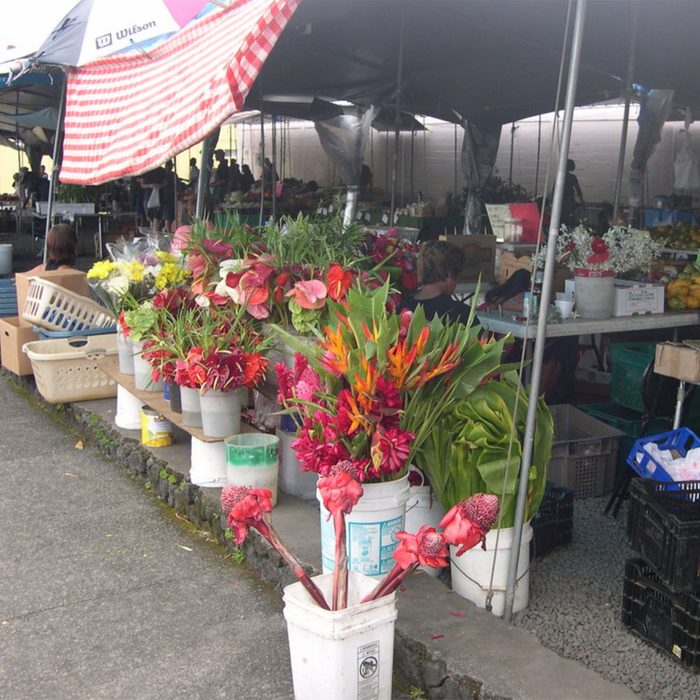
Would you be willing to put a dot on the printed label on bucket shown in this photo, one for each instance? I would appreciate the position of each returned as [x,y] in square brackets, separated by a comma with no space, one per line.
[368,671]
[370,545]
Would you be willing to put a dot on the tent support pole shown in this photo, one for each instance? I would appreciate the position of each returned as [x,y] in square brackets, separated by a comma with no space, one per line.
[54,167]
[204,174]
[273,185]
[540,338]
[626,115]
[537,169]
[397,124]
[261,215]
[510,162]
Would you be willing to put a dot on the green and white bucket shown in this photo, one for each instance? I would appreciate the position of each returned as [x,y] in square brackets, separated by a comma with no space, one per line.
[252,459]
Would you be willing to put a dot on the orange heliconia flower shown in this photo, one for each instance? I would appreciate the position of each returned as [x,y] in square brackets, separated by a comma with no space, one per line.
[337,349]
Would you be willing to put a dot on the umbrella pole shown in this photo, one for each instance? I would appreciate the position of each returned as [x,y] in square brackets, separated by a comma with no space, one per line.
[397,123]
[626,115]
[540,339]
[54,166]
[262,165]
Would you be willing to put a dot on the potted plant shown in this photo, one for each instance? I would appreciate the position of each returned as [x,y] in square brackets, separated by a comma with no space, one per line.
[476,447]
[370,393]
[595,260]
[333,616]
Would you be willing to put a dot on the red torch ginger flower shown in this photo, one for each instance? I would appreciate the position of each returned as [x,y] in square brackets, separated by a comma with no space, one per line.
[340,491]
[389,449]
[426,548]
[467,523]
[246,507]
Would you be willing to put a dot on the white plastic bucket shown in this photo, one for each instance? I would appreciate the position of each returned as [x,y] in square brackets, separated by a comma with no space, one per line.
[221,412]
[191,411]
[208,463]
[292,479]
[128,414]
[126,353]
[6,259]
[423,508]
[143,374]
[595,295]
[343,654]
[471,573]
[371,528]
[252,459]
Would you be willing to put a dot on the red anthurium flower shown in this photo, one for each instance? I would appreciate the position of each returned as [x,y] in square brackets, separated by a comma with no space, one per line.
[309,294]
[600,252]
[426,548]
[221,249]
[245,509]
[467,523]
[340,492]
[338,281]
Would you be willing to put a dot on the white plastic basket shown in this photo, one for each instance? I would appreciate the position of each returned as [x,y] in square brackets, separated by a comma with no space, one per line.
[66,369]
[57,309]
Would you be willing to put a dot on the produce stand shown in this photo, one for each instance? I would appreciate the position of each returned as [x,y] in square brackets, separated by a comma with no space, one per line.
[154,399]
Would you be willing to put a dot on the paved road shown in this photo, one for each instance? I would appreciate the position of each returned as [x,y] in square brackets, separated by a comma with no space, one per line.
[103,594]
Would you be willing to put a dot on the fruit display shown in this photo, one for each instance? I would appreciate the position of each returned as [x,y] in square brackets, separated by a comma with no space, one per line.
[681,236]
[683,292]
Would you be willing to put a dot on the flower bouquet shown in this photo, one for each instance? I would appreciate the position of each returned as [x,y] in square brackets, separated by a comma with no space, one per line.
[316,606]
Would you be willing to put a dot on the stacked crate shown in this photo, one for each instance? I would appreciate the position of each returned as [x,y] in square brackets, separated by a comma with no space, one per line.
[661,598]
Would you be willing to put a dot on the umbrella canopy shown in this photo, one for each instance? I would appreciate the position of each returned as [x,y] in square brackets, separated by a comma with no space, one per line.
[126,114]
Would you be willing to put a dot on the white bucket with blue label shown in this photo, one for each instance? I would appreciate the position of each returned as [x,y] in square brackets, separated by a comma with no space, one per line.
[371,529]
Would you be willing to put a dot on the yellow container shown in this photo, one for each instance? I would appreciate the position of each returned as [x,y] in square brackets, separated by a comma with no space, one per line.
[156,430]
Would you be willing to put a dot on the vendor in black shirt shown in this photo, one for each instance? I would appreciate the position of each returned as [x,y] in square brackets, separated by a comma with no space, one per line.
[439,264]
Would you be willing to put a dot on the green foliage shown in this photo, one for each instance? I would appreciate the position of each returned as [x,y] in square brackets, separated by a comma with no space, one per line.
[477,448]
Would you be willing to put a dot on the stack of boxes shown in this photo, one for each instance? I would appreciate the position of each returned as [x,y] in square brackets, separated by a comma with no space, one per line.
[661,597]
[15,331]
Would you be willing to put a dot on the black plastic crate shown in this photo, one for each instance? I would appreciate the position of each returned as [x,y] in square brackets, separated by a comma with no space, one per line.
[663,525]
[554,523]
[669,621]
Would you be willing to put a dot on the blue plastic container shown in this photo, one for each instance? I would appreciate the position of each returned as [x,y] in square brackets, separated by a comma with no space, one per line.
[679,441]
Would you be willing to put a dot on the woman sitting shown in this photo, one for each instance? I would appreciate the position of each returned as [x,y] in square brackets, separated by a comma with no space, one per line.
[439,264]
[61,244]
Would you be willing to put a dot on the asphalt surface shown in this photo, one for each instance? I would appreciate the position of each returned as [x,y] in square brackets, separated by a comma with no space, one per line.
[105,594]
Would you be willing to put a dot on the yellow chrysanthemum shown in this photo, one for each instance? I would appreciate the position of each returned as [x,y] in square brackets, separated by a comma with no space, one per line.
[163,256]
[101,270]
[133,270]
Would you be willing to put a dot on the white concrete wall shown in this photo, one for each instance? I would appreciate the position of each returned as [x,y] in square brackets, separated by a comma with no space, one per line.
[595,142]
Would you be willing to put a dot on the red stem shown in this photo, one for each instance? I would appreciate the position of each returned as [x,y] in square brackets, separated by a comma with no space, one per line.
[340,568]
[274,539]
[379,589]
[398,580]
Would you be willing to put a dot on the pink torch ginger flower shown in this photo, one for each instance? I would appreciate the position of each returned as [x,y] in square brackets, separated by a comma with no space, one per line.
[340,492]
[426,548]
[309,294]
[246,507]
[466,524]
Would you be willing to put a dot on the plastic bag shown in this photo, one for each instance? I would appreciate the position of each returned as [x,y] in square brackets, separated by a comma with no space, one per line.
[154,199]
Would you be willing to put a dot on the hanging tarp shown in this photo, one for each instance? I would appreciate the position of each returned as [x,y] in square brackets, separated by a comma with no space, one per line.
[654,109]
[126,115]
[479,150]
[686,173]
[45,118]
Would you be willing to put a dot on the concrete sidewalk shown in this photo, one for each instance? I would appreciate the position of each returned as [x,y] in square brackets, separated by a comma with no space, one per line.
[445,646]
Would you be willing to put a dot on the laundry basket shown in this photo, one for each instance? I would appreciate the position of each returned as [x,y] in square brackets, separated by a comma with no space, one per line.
[57,309]
[66,369]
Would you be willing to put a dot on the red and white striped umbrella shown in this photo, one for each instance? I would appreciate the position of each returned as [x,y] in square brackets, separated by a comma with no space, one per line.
[126,114]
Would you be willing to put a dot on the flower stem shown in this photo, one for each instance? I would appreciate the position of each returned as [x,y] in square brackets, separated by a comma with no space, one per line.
[274,539]
[381,587]
[340,569]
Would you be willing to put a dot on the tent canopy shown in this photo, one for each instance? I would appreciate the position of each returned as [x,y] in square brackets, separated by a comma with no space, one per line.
[489,62]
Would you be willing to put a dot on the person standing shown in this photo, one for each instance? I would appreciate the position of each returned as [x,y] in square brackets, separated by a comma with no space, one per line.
[572,190]
[168,197]
[153,182]
[221,177]
[194,172]
[247,178]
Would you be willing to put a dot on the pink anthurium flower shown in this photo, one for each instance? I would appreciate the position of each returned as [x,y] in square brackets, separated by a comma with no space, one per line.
[309,294]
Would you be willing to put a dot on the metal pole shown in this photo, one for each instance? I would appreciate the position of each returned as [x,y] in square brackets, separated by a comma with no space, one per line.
[261,215]
[397,123]
[55,164]
[273,182]
[539,144]
[626,115]
[510,164]
[547,284]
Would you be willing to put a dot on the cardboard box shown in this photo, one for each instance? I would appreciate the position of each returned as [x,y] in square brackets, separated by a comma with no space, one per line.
[14,333]
[480,252]
[679,360]
[509,263]
[74,280]
[632,298]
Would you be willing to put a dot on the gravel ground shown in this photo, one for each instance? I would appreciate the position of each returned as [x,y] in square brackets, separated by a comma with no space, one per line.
[576,603]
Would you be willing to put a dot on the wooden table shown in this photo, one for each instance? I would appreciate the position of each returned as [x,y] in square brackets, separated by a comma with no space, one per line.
[154,399]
